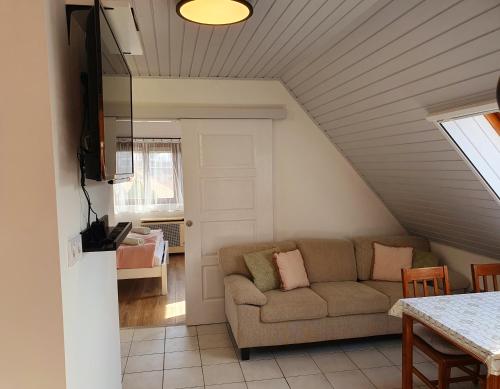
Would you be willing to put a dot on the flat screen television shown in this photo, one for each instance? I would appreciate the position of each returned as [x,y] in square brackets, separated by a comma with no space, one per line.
[106,143]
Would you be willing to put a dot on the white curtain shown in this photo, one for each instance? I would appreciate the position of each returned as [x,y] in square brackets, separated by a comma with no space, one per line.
[157,182]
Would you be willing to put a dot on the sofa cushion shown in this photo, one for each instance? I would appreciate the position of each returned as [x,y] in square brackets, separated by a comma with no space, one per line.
[388,261]
[261,266]
[393,290]
[328,259]
[297,304]
[351,298]
[231,258]
[291,270]
[364,249]
[424,259]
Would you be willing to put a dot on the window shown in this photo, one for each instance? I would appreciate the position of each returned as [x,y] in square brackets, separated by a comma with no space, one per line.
[157,182]
[477,137]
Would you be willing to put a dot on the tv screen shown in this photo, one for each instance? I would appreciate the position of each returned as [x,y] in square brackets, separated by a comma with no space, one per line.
[109,130]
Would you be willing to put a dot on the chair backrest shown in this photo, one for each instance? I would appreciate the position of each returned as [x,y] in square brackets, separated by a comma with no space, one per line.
[483,271]
[423,275]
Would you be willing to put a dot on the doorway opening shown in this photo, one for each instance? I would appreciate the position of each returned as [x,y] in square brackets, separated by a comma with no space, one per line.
[141,303]
[150,263]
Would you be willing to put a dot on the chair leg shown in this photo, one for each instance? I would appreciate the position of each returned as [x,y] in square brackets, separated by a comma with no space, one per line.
[444,376]
[477,371]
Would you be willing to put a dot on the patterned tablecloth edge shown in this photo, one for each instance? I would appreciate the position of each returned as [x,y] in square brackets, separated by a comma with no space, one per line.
[492,363]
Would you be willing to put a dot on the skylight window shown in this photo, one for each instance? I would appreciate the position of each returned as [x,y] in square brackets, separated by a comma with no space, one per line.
[477,137]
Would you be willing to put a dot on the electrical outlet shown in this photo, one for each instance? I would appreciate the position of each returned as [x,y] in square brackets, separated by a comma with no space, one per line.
[74,249]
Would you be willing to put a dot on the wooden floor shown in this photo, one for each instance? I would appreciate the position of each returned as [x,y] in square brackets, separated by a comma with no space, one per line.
[141,302]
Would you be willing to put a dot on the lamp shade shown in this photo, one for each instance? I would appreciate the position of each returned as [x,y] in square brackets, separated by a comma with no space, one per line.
[215,12]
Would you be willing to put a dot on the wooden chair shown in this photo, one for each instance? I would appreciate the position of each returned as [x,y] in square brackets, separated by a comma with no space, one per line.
[422,282]
[482,272]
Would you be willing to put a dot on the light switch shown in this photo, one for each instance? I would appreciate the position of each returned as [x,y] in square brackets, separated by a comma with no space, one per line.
[74,249]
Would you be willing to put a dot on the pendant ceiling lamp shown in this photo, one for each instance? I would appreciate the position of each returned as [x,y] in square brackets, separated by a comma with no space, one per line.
[215,12]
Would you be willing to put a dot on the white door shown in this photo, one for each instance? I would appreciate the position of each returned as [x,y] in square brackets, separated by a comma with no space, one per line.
[228,199]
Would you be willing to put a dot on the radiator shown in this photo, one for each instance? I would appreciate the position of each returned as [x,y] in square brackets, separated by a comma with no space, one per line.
[173,231]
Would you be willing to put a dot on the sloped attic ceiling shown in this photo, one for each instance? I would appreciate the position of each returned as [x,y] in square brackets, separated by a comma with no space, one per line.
[368,72]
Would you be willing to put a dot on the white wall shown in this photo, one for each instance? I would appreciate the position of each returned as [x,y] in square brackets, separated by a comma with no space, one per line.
[459,260]
[89,288]
[31,319]
[317,193]
[59,325]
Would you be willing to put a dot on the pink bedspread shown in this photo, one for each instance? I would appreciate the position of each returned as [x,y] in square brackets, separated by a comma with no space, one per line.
[133,257]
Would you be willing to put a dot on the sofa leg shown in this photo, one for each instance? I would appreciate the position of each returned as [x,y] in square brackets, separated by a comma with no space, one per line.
[245,354]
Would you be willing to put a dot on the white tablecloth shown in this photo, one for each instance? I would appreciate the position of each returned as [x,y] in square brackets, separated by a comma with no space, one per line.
[472,320]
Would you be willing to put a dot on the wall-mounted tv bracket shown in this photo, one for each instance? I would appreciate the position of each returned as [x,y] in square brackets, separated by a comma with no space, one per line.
[70,8]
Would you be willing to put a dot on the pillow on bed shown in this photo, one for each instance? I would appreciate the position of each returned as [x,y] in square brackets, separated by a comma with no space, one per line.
[131,241]
[141,230]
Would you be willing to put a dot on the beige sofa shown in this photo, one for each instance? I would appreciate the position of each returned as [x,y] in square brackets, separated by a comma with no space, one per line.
[341,303]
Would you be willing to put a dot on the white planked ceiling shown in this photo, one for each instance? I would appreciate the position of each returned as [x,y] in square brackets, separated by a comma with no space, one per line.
[368,72]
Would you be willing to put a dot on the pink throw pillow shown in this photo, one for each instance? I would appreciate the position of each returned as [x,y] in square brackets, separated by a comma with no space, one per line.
[291,269]
[388,261]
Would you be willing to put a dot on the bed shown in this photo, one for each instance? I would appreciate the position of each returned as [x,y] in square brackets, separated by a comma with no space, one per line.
[149,260]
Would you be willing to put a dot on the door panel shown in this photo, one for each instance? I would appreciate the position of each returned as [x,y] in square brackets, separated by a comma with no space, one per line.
[228,199]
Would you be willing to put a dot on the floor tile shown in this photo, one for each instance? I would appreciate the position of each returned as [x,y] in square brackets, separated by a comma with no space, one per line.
[278,383]
[395,355]
[207,329]
[181,359]
[216,356]
[181,344]
[148,380]
[235,385]
[352,379]
[140,363]
[384,377]
[126,335]
[147,347]
[149,334]
[366,359]
[125,348]
[389,341]
[290,351]
[295,366]
[429,369]
[333,362]
[222,374]
[180,331]
[214,341]
[356,344]
[261,369]
[123,363]
[324,348]
[417,383]
[182,378]
[317,381]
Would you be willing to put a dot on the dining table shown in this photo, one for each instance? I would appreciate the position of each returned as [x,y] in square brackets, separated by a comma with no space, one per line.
[469,321]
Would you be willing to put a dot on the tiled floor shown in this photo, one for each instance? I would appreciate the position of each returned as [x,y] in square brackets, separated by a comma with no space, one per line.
[205,357]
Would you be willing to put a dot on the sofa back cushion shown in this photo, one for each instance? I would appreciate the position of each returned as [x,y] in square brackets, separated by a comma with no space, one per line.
[364,249]
[328,259]
[231,258]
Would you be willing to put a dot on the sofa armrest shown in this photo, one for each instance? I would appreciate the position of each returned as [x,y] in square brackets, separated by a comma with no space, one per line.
[243,291]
